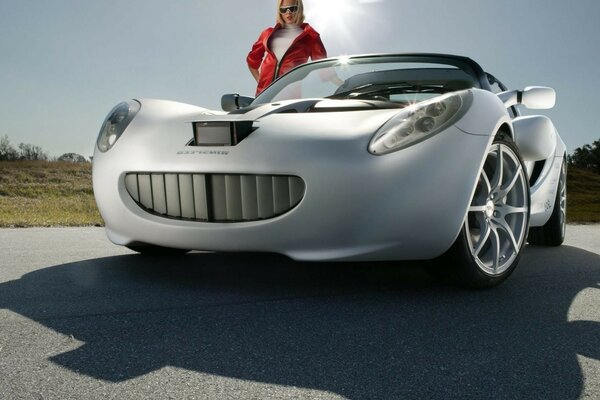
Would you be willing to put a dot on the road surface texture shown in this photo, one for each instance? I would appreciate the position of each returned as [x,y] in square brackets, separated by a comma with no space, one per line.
[81,318]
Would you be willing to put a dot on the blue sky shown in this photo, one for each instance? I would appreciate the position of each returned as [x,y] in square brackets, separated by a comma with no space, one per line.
[65,63]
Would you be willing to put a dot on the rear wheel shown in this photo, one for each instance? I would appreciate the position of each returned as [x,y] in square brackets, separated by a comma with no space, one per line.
[552,233]
[490,243]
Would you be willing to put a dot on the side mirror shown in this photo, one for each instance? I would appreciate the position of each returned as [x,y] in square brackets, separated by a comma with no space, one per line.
[538,97]
[231,102]
[532,97]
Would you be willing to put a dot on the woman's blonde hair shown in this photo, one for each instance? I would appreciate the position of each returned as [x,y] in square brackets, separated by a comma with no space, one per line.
[299,15]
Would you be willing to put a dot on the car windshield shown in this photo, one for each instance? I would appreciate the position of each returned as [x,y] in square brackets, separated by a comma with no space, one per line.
[397,79]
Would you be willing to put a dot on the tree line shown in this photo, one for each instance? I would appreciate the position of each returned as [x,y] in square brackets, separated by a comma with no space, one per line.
[29,152]
[586,157]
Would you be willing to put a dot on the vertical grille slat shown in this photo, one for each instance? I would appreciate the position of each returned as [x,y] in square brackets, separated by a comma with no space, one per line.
[172,195]
[249,198]
[233,196]
[158,193]
[264,189]
[186,196]
[200,203]
[281,194]
[132,186]
[145,187]
[215,197]
[219,197]
[296,190]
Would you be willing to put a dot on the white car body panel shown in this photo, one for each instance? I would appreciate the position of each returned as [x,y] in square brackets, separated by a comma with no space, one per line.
[409,204]
[333,142]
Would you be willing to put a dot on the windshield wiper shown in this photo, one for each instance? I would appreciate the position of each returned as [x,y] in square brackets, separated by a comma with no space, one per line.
[346,93]
[358,91]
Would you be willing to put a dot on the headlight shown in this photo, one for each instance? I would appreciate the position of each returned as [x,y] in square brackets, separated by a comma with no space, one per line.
[420,121]
[116,122]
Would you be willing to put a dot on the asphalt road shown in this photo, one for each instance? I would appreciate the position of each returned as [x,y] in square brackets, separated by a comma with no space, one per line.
[83,319]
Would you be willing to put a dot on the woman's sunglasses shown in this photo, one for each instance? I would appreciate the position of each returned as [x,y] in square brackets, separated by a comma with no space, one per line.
[292,9]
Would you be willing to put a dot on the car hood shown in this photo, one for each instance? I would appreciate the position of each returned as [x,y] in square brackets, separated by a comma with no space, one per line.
[287,122]
[306,117]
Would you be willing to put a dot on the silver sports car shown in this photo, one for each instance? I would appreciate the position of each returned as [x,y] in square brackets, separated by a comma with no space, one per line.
[370,157]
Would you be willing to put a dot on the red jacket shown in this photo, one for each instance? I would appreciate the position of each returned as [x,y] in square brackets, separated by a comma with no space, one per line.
[307,45]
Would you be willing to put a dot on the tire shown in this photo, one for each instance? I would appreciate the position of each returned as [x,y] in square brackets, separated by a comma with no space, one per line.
[552,233]
[491,240]
[150,250]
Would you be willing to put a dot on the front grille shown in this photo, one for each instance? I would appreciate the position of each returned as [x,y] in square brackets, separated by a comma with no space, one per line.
[215,197]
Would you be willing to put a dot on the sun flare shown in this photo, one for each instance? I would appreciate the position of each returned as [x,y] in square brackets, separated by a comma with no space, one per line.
[339,20]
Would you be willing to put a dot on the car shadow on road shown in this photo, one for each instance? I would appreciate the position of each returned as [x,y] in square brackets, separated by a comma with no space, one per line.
[362,330]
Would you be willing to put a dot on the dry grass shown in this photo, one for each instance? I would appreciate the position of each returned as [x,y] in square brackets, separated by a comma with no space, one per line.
[42,193]
[583,196]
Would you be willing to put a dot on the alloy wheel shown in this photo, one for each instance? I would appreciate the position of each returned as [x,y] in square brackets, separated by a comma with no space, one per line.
[498,216]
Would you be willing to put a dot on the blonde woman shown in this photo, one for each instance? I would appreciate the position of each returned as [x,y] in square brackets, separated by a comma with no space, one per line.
[289,43]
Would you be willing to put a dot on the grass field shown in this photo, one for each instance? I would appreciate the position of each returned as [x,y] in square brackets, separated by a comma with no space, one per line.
[41,193]
[583,196]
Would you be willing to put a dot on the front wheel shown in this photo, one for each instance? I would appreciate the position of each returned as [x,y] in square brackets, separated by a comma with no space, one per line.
[490,243]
